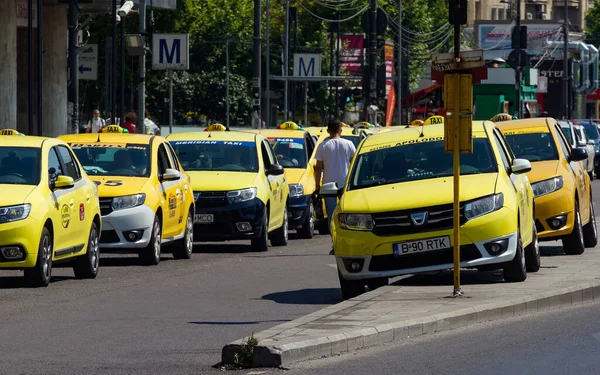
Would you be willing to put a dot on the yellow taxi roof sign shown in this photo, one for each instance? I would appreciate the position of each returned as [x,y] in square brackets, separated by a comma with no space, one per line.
[10,132]
[344,125]
[417,122]
[501,117]
[364,123]
[113,129]
[289,125]
[216,128]
[434,120]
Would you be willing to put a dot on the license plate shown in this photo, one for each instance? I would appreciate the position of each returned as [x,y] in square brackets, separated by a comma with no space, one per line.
[204,218]
[430,244]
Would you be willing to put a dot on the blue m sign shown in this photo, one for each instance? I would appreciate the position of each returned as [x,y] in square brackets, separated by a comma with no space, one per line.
[307,64]
[170,51]
[307,71]
[166,54]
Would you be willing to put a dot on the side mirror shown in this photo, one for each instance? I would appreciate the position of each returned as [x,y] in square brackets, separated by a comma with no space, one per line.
[330,189]
[275,170]
[582,144]
[578,154]
[520,166]
[64,182]
[591,142]
[171,175]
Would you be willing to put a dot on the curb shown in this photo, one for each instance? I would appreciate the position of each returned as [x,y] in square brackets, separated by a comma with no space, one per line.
[269,353]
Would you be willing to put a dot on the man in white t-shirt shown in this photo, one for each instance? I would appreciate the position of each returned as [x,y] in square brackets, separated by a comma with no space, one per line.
[333,162]
[96,123]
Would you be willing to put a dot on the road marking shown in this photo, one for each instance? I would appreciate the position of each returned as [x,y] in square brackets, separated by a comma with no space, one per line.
[256,372]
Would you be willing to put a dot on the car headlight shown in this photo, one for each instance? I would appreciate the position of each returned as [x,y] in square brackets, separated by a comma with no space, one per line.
[547,186]
[356,221]
[128,201]
[237,196]
[484,206]
[296,190]
[14,213]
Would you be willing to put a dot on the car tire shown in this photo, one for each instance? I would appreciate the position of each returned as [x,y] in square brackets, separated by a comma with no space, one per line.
[261,243]
[373,284]
[86,266]
[590,231]
[323,227]
[183,248]
[280,236]
[151,254]
[515,270]
[573,244]
[307,230]
[351,288]
[39,276]
[533,261]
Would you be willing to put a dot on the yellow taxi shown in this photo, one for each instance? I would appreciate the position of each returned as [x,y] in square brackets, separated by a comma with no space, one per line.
[49,210]
[295,151]
[241,191]
[395,214]
[146,198]
[563,197]
[355,135]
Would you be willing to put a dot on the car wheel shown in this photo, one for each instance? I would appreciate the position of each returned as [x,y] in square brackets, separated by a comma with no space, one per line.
[323,227]
[590,231]
[573,243]
[86,266]
[183,248]
[532,253]
[351,288]
[280,236]
[308,228]
[261,243]
[515,271]
[151,254]
[39,276]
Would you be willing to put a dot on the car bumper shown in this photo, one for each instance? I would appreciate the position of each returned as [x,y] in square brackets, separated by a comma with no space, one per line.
[558,205]
[24,234]
[118,225]
[379,260]
[298,209]
[228,219]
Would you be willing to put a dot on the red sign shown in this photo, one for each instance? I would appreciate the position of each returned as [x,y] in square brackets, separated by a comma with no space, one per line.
[391,102]
[81,212]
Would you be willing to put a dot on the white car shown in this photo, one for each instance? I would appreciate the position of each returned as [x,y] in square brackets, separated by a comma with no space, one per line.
[584,142]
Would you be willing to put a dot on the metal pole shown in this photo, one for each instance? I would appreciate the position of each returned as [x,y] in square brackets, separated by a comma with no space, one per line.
[40,62]
[122,69]
[113,70]
[456,167]
[170,101]
[227,81]
[373,55]
[518,106]
[268,64]
[337,69]
[286,59]
[141,90]
[73,89]
[566,96]
[256,61]
[329,109]
[30,66]
[305,104]
[399,64]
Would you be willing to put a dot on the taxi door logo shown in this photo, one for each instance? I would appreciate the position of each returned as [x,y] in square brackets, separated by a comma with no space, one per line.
[65,215]
[81,212]
[172,205]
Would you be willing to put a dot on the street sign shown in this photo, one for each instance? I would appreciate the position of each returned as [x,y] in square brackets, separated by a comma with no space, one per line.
[458,104]
[468,60]
[88,62]
[170,52]
[307,64]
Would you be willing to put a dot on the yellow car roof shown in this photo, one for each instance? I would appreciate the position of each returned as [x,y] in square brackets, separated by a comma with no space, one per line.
[21,141]
[273,133]
[107,138]
[530,125]
[239,136]
[414,133]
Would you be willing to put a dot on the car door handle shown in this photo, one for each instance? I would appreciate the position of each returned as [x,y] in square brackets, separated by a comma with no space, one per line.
[72,203]
[87,198]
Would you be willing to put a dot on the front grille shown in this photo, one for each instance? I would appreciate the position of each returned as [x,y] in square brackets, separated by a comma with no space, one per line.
[395,223]
[109,236]
[428,258]
[105,206]
[209,199]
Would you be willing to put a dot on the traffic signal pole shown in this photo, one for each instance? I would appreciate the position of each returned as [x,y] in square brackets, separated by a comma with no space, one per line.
[372,57]
[519,68]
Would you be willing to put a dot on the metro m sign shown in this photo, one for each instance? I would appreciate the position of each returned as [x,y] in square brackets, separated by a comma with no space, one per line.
[170,52]
[307,64]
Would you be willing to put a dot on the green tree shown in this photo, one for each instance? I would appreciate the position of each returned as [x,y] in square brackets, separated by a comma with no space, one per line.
[592,28]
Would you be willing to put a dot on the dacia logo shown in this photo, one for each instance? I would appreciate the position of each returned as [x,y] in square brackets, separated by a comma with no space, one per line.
[419,218]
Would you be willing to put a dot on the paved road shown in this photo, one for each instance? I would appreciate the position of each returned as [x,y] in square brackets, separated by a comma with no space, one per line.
[565,341]
[172,318]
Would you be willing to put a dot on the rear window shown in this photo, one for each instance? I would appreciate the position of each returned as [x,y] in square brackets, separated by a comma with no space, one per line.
[205,155]
[532,146]
[568,134]
[590,130]
[352,138]
[104,159]
[20,165]
[291,152]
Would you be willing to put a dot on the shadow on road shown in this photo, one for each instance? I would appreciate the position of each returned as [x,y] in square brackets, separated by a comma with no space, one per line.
[221,248]
[551,251]
[125,261]
[18,282]
[317,296]
[217,323]
[467,277]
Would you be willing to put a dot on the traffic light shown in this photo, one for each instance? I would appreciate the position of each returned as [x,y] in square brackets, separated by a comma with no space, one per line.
[458,12]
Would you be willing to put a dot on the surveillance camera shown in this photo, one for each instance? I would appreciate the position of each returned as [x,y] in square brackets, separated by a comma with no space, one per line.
[125,8]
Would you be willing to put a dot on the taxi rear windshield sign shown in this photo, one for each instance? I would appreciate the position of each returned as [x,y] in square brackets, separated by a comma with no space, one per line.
[287,140]
[207,142]
[527,131]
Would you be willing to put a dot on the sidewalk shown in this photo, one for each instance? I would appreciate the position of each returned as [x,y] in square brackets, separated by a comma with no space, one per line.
[420,305]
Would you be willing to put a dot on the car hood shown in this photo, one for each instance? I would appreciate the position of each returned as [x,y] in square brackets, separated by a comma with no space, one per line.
[116,186]
[294,175]
[14,194]
[542,170]
[416,194]
[221,181]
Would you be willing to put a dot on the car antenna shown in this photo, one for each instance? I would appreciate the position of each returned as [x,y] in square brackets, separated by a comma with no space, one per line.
[209,134]
[98,140]
[422,130]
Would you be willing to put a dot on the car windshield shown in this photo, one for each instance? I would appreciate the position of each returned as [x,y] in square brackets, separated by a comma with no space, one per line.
[291,152]
[590,130]
[533,146]
[105,159]
[568,134]
[352,138]
[418,161]
[19,165]
[206,155]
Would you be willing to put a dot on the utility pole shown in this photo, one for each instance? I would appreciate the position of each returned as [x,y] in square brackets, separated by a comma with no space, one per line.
[338,103]
[399,64]
[268,64]
[332,72]
[227,81]
[73,92]
[372,56]
[565,82]
[141,91]
[286,59]
[113,70]
[518,106]
[122,69]
[256,62]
